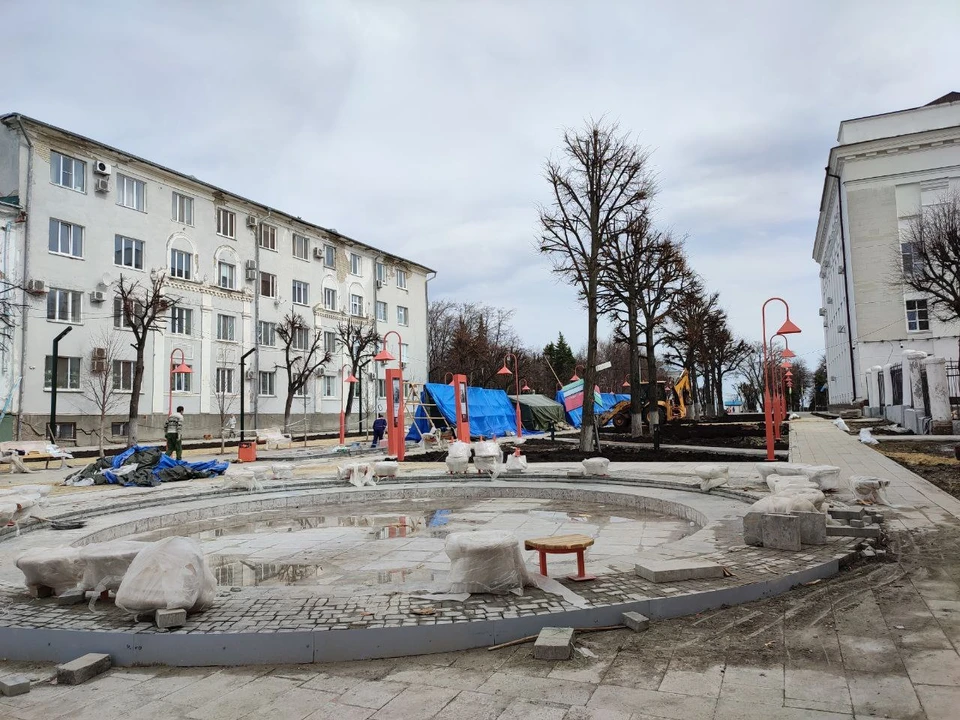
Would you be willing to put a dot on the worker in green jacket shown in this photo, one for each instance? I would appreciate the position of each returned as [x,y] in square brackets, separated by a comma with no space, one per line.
[174,432]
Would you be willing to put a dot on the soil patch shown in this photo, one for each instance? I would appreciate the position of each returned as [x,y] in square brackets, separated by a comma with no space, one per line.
[732,435]
[933,461]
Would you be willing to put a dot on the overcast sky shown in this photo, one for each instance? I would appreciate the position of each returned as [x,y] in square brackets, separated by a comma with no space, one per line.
[422,127]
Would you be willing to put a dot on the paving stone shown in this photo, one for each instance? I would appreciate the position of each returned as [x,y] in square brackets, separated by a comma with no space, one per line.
[855,523]
[869,531]
[554,644]
[847,514]
[752,529]
[72,597]
[813,528]
[889,696]
[12,685]
[83,668]
[635,621]
[170,618]
[658,704]
[939,702]
[676,570]
[780,531]
[40,591]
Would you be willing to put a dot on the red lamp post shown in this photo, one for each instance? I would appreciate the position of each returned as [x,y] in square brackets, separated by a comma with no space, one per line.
[181,369]
[445,376]
[788,328]
[516,379]
[779,396]
[575,377]
[343,414]
[394,382]
[525,388]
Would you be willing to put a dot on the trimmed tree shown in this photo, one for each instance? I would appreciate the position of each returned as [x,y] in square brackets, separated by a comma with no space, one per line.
[303,355]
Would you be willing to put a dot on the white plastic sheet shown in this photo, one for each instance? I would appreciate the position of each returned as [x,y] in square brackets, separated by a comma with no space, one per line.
[487,457]
[105,564]
[60,568]
[171,574]
[841,424]
[357,474]
[486,561]
[869,490]
[242,480]
[867,438]
[712,476]
[516,463]
[458,457]
[595,466]
[782,504]
[385,468]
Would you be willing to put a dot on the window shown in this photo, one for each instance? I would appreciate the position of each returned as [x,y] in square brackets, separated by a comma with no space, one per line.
[381,272]
[181,321]
[268,383]
[329,342]
[131,193]
[224,381]
[268,284]
[65,238]
[123,375]
[268,236]
[183,208]
[381,311]
[329,386]
[303,390]
[68,373]
[381,388]
[180,262]
[226,328]
[128,252]
[68,172]
[403,315]
[226,223]
[917,318]
[402,279]
[120,319]
[301,247]
[228,275]
[329,256]
[182,382]
[267,333]
[907,256]
[404,352]
[356,305]
[118,429]
[63,305]
[301,292]
[66,431]
[300,339]
[330,299]
[356,264]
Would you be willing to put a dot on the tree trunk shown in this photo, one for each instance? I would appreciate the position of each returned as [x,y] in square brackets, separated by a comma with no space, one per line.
[103,421]
[636,404]
[589,372]
[694,392]
[287,406]
[721,409]
[653,400]
[133,415]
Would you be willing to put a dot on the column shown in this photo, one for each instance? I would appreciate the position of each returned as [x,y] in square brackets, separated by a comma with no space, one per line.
[912,394]
[939,390]
[873,394]
[204,374]
[887,381]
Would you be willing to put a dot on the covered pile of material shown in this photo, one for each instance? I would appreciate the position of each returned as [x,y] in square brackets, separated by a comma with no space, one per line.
[144,466]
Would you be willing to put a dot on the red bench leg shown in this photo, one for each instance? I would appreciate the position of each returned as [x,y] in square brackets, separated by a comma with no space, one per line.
[543,563]
[581,570]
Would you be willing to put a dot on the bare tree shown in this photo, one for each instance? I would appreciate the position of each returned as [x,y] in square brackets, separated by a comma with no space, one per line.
[225,387]
[598,187]
[720,354]
[930,257]
[685,328]
[303,355]
[100,384]
[360,343]
[141,307]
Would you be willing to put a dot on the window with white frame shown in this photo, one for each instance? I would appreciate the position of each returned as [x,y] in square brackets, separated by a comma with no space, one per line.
[183,208]
[403,315]
[329,256]
[68,172]
[127,252]
[404,352]
[120,318]
[300,293]
[228,275]
[268,383]
[66,431]
[381,273]
[329,342]
[356,264]
[226,223]
[908,257]
[381,388]
[300,339]
[226,327]
[267,333]
[63,305]
[65,238]
[181,264]
[268,284]
[381,311]
[181,321]
[223,382]
[356,305]
[917,318]
[131,193]
[329,386]
[268,236]
[68,373]
[330,299]
[303,391]
[118,429]
[123,375]
[301,247]
[182,381]
[401,278]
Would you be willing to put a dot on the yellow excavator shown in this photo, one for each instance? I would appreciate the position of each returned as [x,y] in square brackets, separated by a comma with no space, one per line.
[672,400]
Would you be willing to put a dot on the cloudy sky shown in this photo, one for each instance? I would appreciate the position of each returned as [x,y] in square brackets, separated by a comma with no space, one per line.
[422,126]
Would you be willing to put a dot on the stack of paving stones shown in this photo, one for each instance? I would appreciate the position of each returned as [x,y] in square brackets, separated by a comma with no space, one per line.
[793,531]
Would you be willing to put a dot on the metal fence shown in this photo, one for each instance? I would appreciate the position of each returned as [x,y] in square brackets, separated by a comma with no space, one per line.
[896,379]
[953,384]
[883,392]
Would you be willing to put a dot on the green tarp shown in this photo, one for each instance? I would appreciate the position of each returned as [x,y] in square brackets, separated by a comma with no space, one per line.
[538,411]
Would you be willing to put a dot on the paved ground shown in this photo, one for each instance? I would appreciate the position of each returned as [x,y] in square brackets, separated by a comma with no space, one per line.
[879,641]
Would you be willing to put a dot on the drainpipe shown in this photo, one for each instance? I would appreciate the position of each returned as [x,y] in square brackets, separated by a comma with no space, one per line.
[846,293]
[256,322]
[24,315]
[426,301]
[55,368]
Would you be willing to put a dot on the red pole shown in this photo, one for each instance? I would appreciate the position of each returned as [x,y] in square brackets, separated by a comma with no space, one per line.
[767,409]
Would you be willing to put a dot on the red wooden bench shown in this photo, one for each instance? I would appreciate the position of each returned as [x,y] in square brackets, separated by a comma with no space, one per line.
[562,544]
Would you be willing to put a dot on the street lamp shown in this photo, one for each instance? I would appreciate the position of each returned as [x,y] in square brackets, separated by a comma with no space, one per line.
[575,377]
[779,396]
[394,383]
[626,382]
[525,388]
[788,328]
[516,380]
[343,413]
[181,369]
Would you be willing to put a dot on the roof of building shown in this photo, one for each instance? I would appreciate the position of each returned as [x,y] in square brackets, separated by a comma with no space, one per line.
[5,119]
[950,97]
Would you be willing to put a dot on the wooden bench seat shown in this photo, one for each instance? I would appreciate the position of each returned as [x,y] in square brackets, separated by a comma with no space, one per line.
[17,452]
[560,545]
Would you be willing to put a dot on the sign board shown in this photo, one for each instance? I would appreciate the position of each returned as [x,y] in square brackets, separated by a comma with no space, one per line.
[604,366]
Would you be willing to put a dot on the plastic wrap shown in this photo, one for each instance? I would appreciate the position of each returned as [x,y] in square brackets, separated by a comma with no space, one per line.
[18,506]
[486,561]
[357,474]
[458,457]
[60,568]
[385,468]
[782,504]
[516,463]
[712,476]
[282,471]
[487,456]
[41,490]
[869,490]
[105,564]
[595,466]
[867,438]
[806,492]
[171,574]
[776,483]
[841,424]
[243,480]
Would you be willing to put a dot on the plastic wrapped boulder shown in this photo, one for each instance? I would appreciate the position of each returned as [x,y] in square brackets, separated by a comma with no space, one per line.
[595,466]
[357,474]
[486,561]
[17,507]
[58,568]
[282,471]
[458,457]
[171,574]
[781,504]
[869,490]
[487,456]
[867,438]
[810,493]
[516,462]
[385,468]
[242,480]
[841,424]
[105,564]
[776,483]
[712,476]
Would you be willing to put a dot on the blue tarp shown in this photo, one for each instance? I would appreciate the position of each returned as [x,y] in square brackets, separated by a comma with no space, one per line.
[211,466]
[601,403]
[491,412]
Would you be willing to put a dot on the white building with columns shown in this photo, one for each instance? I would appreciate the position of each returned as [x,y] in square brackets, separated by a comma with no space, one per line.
[883,169]
[84,213]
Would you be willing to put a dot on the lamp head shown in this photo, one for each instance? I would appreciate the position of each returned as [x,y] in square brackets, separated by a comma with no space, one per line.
[383,356]
[788,328]
[350,378]
[182,369]
[504,370]
[574,377]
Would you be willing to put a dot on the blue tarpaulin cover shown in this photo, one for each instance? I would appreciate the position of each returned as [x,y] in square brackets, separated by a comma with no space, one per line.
[601,403]
[491,412]
[212,466]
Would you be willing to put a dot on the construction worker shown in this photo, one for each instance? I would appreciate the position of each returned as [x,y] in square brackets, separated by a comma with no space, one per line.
[174,432]
[379,428]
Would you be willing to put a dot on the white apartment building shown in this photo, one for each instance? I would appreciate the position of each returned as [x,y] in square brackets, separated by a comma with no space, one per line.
[78,214]
[882,171]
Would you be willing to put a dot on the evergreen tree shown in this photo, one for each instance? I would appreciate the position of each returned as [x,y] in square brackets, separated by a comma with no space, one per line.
[561,358]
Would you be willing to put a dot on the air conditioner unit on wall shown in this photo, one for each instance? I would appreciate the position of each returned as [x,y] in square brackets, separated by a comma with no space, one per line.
[251,374]
[103,185]
[99,353]
[102,168]
[823,312]
[379,285]
[251,221]
[36,286]
[318,253]
[98,296]
[841,328]
[98,366]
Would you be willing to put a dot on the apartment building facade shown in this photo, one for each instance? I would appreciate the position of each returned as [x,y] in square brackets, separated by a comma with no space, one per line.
[883,170]
[88,214]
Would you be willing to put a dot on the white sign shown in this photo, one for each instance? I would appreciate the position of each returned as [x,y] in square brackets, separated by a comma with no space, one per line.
[604,366]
